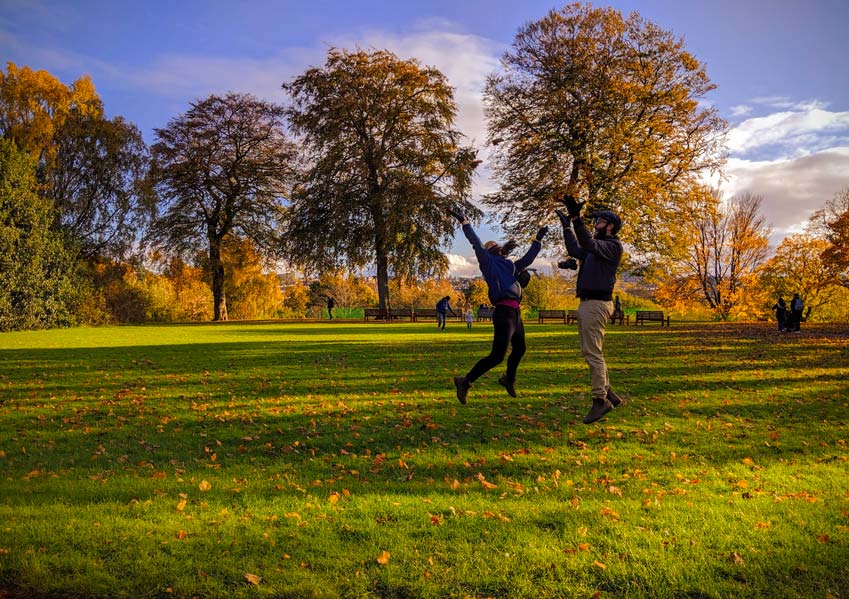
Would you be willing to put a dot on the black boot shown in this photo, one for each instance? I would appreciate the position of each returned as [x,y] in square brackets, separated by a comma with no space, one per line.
[600,407]
[509,385]
[462,384]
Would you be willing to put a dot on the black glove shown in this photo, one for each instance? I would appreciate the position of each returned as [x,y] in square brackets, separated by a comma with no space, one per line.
[569,264]
[457,214]
[543,231]
[573,206]
[564,220]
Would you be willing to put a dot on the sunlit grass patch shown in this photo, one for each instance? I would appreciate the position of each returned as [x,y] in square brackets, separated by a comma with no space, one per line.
[319,460]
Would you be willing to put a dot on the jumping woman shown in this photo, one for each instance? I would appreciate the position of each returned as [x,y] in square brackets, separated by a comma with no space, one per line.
[505,293]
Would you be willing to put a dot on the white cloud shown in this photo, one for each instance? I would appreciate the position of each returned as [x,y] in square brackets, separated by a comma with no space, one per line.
[796,133]
[462,266]
[741,110]
[785,103]
[792,189]
[465,59]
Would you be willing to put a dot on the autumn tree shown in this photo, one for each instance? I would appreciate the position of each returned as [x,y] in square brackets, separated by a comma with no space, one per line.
[727,244]
[348,289]
[550,291]
[608,107]
[34,105]
[385,162]
[91,167]
[221,169]
[832,224]
[254,288]
[798,267]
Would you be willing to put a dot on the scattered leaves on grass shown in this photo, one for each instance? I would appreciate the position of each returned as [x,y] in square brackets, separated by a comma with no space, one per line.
[484,483]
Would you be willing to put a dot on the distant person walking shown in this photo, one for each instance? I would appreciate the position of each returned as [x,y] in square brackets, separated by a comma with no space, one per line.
[599,255]
[780,308]
[505,293]
[796,307]
[443,307]
[331,303]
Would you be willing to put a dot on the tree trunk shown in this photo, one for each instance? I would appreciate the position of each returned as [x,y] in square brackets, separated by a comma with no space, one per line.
[219,299]
[382,264]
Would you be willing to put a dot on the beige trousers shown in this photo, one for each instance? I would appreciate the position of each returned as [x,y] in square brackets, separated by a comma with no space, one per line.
[592,320]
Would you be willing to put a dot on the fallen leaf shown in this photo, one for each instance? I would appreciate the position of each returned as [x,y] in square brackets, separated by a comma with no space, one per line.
[383,558]
[599,565]
[182,534]
[204,486]
[737,558]
[253,579]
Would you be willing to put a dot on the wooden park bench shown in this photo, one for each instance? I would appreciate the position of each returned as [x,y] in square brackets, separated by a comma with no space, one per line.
[621,317]
[399,313]
[552,314]
[651,316]
[424,313]
[571,316]
[376,313]
[485,313]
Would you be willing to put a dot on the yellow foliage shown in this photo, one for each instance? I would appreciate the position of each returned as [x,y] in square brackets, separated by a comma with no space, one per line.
[34,104]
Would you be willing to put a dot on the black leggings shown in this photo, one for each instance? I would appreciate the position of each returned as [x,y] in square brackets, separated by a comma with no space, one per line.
[509,330]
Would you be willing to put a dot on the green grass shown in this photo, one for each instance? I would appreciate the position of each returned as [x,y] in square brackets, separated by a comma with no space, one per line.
[171,461]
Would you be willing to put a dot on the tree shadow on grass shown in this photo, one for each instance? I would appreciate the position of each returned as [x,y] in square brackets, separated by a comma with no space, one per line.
[326,409]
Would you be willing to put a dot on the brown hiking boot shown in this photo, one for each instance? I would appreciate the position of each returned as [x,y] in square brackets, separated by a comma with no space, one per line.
[600,407]
[462,384]
[614,398]
[509,385]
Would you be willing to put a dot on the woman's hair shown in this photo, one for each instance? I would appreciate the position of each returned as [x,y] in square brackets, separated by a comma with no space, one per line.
[508,247]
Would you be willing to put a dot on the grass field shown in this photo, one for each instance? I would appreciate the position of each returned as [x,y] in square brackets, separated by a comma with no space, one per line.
[333,460]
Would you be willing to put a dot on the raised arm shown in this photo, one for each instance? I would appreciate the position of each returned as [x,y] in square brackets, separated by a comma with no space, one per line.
[606,249]
[528,259]
[573,248]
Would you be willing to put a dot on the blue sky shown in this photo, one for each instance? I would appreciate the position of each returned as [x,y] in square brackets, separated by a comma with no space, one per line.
[781,66]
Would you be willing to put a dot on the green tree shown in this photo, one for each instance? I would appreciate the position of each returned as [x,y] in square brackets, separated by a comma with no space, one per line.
[223,168]
[384,165]
[97,180]
[607,107]
[38,273]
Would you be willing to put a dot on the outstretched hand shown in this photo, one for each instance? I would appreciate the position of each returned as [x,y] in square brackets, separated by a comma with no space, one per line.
[457,214]
[573,206]
[568,264]
[564,220]
[543,231]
